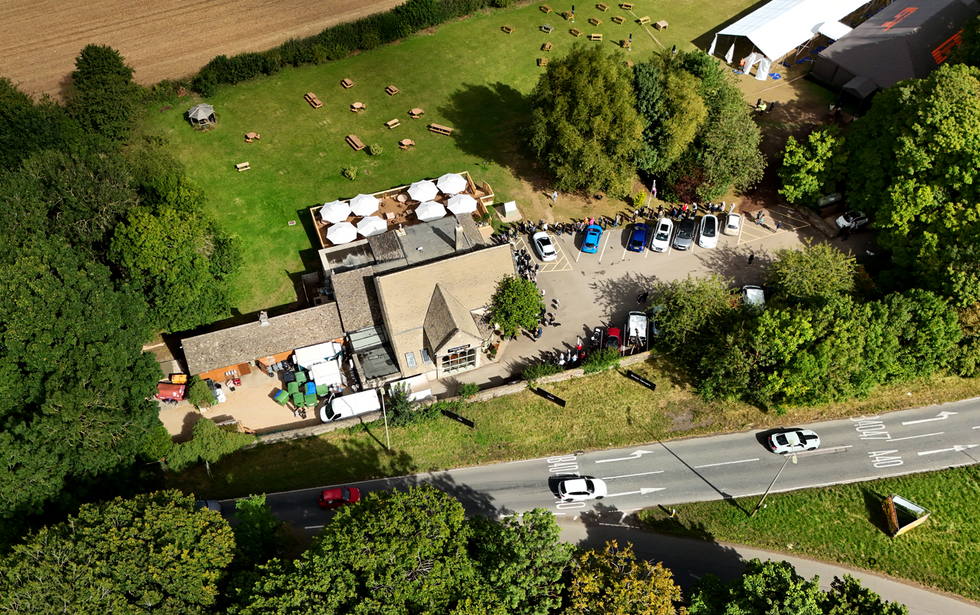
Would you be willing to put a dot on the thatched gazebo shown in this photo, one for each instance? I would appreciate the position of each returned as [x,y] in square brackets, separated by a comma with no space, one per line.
[201,116]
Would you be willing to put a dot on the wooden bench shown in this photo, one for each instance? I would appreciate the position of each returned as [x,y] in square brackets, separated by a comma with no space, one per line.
[546,47]
[595,21]
[643,20]
[602,7]
[347,83]
[440,130]
[406,143]
[626,6]
[595,37]
[545,9]
[508,30]
[618,19]
[244,166]
[660,25]
[542,61]
[393,123]
[547,29]
[354,142]
[391,90]
[575,32]
[313,100]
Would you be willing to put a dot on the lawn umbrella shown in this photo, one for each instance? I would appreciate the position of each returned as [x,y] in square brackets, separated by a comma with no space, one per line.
[372,225]
[452,183]
[342,232]
[364,205]
[335,211]
[423,191]
[462,204]
[430,210]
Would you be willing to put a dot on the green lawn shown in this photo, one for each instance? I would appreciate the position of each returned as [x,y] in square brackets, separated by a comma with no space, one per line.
[846,524]
[468,75]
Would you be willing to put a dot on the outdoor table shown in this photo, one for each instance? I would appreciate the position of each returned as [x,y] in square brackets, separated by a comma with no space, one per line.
[401,198]
[416,113]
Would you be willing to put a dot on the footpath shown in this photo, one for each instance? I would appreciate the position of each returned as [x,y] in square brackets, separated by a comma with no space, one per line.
[691,559]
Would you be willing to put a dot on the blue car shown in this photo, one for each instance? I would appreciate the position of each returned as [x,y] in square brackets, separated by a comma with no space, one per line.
[638,238]
[593,233]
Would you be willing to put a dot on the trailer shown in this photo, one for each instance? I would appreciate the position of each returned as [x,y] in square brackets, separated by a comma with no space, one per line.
[636,332]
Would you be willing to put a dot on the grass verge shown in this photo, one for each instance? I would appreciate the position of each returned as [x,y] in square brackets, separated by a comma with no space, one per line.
[846,524]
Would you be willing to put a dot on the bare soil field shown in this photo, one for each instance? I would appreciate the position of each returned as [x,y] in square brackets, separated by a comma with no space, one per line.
[164,39]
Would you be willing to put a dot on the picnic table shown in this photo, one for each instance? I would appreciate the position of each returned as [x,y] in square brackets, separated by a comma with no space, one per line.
[575,32]
[602,7]
[545,8]
[542,61]
[358,106]
[643,20]
[313,100]
[242,166]
[347,83]
[660,25]
[547,29]
[442,130]
[546,47]
[249,137]
[595,37]
[393,123]
[618,19]
[626,6]
[354,142]
[595,21]
[391,90]
[508,30]
[416,113]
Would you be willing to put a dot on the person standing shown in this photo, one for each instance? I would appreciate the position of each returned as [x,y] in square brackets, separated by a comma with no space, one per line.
[554,197]
[751,257]
[779,225]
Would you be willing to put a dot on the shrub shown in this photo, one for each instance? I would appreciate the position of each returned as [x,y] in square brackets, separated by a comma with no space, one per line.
[468,390]
[199,393]
[375,149]
[638,198]
[601,361]
[539,370]
[209,443]
[350,172]
[402,411]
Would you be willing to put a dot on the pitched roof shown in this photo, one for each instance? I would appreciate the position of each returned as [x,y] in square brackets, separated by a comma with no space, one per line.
[357,299]
[253,341]
[445,317]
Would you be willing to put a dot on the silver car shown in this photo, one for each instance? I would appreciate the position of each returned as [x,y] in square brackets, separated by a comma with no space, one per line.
[685,234]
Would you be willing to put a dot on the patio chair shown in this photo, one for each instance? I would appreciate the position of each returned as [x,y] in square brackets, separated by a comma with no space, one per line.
[301,376]
[282,397]
[298,399]
[292,387]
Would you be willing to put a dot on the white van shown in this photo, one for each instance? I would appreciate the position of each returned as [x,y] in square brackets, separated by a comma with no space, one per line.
[350,405]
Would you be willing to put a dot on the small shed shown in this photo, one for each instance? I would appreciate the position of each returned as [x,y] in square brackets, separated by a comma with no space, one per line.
[201,116]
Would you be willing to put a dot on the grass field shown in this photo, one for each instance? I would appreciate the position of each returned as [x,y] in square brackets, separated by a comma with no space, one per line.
[469,75]
[846,524]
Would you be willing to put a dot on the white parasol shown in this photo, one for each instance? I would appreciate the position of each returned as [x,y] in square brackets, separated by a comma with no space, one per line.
[334,211]
[461,204]
[452,183]
[342,232]
[430,210]
[372,225]
[423,191]
[364,205]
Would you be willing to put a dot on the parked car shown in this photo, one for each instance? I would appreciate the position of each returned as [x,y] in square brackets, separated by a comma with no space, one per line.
[733,224]
[592,236]
[708,236]
[211,505]
[852,220]
[339,496]
[638,238]
[581,489]
[544,247]
[661,239]
[614,338]
[684,235]
[794,441]
[754,297]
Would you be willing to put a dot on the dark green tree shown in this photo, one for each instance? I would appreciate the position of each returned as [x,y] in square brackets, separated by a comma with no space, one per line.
[77,386]
[848,597]
[208,443]
[584,125]
[27,127]
[156,553]
[813,273]
[689,304]
[766,588]
[516,304]
[614,582]
[668,99]
[104,99]
[813,168]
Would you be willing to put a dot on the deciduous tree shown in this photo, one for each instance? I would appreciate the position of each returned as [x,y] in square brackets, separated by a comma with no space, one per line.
[104,98]
[515,305]
[689,304]
[812,273]
[848,597]
[814,167]
[766,588]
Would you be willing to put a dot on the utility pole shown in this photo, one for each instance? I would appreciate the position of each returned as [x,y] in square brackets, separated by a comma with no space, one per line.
[764,495]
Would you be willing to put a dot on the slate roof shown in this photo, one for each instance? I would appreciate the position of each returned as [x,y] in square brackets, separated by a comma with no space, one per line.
[357,299]
[445,316]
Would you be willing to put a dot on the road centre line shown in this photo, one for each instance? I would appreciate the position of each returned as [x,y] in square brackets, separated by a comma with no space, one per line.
[925,435]
[726,463]
[631,475]
[313,527]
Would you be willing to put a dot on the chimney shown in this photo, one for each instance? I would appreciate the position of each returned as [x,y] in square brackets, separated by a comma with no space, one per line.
[263,319]
[462,241]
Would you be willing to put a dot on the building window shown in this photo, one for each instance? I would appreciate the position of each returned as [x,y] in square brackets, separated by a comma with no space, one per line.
[459,361]
[425,356]
[410,359]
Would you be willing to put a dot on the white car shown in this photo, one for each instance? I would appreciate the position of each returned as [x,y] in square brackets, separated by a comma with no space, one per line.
[851,220]
[708,237]
[733,224]
[661,237]
[794,441]
[754,297]
[581,489]
[544,247]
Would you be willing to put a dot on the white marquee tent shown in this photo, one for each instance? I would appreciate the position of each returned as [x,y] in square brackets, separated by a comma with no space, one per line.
[780,26]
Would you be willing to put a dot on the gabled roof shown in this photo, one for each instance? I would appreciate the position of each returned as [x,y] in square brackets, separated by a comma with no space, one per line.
[446,317]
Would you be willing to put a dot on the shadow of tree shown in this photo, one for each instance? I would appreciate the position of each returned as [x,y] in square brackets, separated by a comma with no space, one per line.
[731,263]
[617,296]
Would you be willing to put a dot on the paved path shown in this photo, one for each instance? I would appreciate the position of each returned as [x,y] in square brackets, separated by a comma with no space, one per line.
[691,559]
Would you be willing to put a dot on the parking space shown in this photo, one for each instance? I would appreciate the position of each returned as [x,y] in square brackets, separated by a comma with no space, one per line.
[562,263]
[782,216]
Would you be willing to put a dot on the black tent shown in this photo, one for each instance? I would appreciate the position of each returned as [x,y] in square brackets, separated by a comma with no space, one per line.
[903,40]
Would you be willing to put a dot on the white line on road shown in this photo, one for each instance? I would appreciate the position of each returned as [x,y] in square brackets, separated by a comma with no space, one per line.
[726,463]
[977,427]
[925,435]
[313,527]
[632,475]
[959,448]
[642,491]
[939,417]
[634,455]
[604,244]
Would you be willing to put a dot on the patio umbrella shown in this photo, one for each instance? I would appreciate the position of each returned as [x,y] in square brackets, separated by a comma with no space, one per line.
[452,183]
[364,205]
[372,225]
[461,204]
[334,211]
[430,210]
[342,232]
[423,191]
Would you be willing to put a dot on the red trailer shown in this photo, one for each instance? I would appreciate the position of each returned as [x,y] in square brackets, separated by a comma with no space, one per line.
[170,393]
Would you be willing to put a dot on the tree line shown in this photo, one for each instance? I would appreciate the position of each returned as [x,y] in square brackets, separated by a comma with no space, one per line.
[403,553]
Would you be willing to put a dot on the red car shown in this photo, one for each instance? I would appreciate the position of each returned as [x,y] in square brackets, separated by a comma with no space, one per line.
[614,338]
[339,496]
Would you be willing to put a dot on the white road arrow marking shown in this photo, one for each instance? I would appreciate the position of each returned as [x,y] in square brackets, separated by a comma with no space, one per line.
[925,435]
[643,491]
[941,417]
[632,475]
[959,448]
[635,455]
[725,463]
